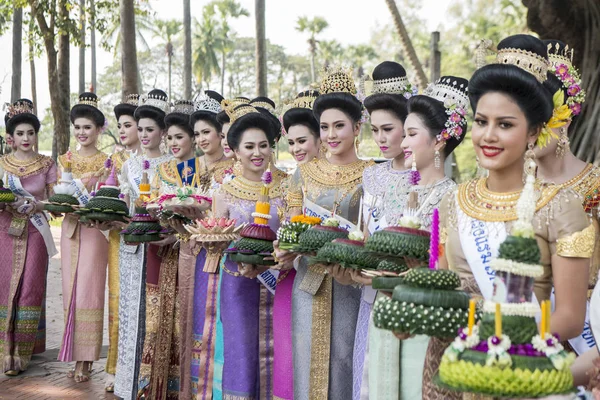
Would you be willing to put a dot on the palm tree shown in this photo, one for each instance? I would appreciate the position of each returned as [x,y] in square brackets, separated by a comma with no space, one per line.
[227,9]
[128,48]
[207,42]
[313,26]
[187,50]
[406,44]
[81,46]
[360,54]
[261,48]
[330,51]
[93,42]
[17,41]
[166,29]
[31,43]
[111,39]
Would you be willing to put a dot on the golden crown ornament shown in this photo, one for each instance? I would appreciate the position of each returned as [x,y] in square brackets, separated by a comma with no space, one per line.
[183,107]
[338,79]
[240,111]
[528,61]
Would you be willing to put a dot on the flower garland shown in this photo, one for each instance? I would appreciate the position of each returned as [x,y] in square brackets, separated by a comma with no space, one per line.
[571,80]
[305,219]
[455,122]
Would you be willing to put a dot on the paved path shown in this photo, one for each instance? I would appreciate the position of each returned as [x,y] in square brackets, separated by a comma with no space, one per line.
[46,377]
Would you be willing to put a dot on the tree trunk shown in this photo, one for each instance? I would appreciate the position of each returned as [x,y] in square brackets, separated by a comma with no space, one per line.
[93,44]
[313,74]
[170,57]
[223,64]
[62,133]
[82,46]
[406,44]
[32,67]
[187,50]
[261,49]
[128,49]
[17,44]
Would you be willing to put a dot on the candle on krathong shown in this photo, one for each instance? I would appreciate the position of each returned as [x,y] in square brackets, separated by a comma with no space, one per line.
[471,315]
[543,322]
[498,321]
[548,312]
[434,248]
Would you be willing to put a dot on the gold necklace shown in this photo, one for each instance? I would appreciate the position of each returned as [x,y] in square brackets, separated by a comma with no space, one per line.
[245,189]
[477,201]
[324,173]
[24,168]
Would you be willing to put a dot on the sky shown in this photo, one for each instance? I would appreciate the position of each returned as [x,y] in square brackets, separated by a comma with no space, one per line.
[350,22]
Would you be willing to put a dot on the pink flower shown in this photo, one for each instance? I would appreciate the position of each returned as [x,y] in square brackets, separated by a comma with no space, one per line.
[445,134]
[573,90]
[561,70]
[458,131]
[455,117]
[576,108]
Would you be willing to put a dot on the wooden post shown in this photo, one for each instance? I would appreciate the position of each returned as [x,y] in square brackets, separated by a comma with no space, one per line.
[436,57]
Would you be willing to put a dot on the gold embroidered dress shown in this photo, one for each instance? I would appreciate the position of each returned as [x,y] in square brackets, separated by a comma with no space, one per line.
[114,243]
[474,221]
[324,313]
[23,264]
[84,260]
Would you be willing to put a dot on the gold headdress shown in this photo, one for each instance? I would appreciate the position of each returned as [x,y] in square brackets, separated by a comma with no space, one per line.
[528,61]
[132,99]
[558,56]
[239,111]
[263,104]
[338,79]
[19,107]
[233,103]
[155,100]
[183,107]
[88,100]
[304,100]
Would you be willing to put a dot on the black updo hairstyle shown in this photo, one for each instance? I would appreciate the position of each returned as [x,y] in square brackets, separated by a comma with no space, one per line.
[392,102]
[179,119]
[152,112]
[343,101]
[264,111]
[28,117]
[432,113]
[87,110]
[521,86]
[208,116]
[128,107]
[253,119]
[553,84]
[302,116]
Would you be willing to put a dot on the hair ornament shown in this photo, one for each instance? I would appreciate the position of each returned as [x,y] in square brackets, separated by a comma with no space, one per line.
[18,107]
[202,102]
[233,103]
[481,51]
[528,61]
[183,107]
[455,101]
[361,96]
[240,111]
[132,99]
[562,66]
[156,101]
[88,101]
[561,115]
[338,79]
[265,105]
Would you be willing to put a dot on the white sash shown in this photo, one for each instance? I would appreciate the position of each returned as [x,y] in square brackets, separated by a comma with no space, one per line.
[269,279]
[480,242]
[372,213]
[81,193]
[38,219]
[313,210]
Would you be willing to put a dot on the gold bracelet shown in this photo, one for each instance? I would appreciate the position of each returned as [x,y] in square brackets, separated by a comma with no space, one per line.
[182,237]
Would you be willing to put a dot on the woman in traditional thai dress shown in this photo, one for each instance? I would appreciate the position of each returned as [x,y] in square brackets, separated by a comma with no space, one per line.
[161,369]
[225,121]
[84,250]
[133,259]
[26,239]
[301,128]
[129,138]
[324,309]
[303,135]
[511,108]
[245,304]
[558,165]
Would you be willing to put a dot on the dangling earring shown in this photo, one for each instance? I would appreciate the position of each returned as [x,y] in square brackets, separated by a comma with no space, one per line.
[162,147]
[357,144]
[563,144]
[437,162]
[530,164]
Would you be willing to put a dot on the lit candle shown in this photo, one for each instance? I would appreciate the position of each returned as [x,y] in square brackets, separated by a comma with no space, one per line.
[543,323]
[498,321]
[471,315]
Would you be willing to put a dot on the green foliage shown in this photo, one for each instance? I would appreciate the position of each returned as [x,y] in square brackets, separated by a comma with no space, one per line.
[520,249]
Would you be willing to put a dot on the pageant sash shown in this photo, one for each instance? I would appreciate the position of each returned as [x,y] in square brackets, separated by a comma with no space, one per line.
[269,279]
[480,242]
[81,193]
[595,311]
[38,219]
[313,210]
